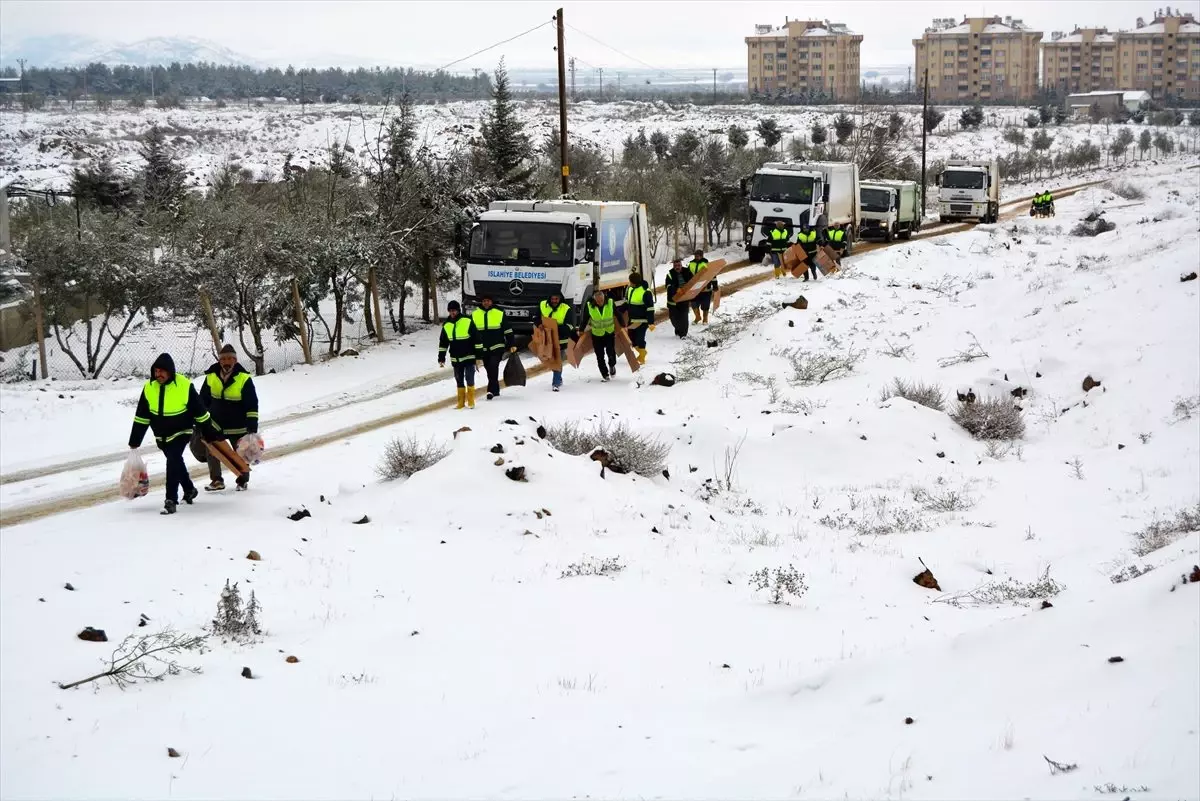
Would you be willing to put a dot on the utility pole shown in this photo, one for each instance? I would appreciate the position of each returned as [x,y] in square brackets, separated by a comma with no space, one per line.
[24,88]
[618,83]
[573,96]
[601,71]
[562,104]
[924,135]
[301,91]
[714,86]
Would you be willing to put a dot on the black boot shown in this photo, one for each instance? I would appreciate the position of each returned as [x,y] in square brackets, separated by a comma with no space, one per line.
[190,495]
[168,508]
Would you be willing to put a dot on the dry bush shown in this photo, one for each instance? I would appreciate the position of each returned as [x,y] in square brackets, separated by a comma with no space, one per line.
[1093,227]
[779,582]
[404,457]
[930,396]
[1007,591]
[1126,190]
[1161,533]
[628,451]
[594,567]
[817,367]
[991,418]
[943,500]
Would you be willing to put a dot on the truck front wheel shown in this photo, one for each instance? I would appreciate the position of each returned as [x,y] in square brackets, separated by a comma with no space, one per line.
[755,254]
[891,233]
[849,242]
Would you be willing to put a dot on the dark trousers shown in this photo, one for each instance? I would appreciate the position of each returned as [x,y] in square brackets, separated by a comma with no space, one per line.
[214,464]
[464,373]
[679,318]
[177,472]
[606,348]
[703,301]
[491,363]
[637,336]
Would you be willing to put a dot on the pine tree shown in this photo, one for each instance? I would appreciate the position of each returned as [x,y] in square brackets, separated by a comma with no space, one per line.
[507,148]
[895,125]
[739,139]
[819,135]
[768,131]
[660,143]
[162,178]
[933,118]
[252,611]
[99,186]
[230,619]
[843,127]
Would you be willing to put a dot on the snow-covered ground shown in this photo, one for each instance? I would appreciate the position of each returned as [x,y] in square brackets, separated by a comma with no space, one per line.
[441,652]
[42,148]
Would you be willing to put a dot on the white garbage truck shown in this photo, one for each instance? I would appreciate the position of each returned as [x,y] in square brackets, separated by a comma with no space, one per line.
[890,209]
[969,190]
[522,251]
[820,193]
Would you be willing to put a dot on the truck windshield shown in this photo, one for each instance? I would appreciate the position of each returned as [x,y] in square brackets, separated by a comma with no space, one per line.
[523,243]
[960,179]
[782,189]
[876,199]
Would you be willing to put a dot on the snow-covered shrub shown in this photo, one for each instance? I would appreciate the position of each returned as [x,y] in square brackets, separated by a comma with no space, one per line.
[1186,408]
[404,457]
[943,500]
[1008,591]
[779,583]
[628,451]
[817,367]
[1129,572]
[234,620]
[1161,533]
[927,395]
[1093,227]
[1126,190]
[594,567]
[990,418]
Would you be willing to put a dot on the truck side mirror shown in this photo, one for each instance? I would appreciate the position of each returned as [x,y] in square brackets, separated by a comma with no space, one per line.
[825,194]
[937,181]
[460,239]
[592,240]
[744,187]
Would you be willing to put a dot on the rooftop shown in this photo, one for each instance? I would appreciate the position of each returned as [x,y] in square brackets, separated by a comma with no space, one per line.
[1076,38]
[827,29]
[944,27]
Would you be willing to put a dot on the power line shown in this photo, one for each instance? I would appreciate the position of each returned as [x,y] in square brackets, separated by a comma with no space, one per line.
[619,52]
[493,46]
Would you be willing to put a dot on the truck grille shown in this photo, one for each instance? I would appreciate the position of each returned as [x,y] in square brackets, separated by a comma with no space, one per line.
[960,208]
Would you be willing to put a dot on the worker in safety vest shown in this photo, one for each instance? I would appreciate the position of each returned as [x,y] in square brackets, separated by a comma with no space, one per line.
[836,238]
[806,238]
[779,243]
[1048,203]
[170,406]
[496,337]
[704,300]
[228,394]
[563,315]
[602,323]
[677,309]
[639,311]
[461,340]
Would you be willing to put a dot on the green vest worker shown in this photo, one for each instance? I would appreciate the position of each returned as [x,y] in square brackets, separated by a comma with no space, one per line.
[461,340]
[562,314]
[838,241]
[779,243]
[228,394]
[496,337]
[170,407]
[639,301]
[806,238]
[602,322]
[703,300]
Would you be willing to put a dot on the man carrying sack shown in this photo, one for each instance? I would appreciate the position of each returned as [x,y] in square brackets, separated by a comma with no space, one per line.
[496,336]
[170,407]
[229,395]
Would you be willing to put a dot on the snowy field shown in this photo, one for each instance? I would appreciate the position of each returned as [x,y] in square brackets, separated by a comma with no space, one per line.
[41,148]
[446,647]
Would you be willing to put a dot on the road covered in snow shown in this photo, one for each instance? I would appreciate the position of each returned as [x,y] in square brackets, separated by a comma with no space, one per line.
[461,634]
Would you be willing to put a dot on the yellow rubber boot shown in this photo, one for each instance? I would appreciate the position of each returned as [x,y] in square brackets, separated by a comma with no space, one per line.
[462,398]
[471,397]
[641,352]
[779,272]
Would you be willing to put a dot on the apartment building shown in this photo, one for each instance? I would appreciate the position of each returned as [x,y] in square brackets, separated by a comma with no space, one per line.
[1161,58]
[804,56]
[980,59]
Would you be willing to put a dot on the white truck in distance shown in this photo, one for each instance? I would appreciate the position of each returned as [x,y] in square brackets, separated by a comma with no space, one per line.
[823,192]
[522,251]
[969,190]
[890,209]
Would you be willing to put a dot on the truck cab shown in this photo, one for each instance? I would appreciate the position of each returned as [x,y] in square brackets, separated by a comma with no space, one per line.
[969,190]
[522,251]
[817,193]
[890,209]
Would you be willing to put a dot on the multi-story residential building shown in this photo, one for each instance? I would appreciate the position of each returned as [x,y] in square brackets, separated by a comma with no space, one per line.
[1162,58]
[804,56]
[980,59]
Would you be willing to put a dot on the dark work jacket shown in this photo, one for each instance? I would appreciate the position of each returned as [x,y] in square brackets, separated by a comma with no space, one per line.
[675,281]
[169,425]
[233,402]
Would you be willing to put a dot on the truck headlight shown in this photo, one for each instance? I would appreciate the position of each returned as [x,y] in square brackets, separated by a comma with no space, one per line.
[749,229]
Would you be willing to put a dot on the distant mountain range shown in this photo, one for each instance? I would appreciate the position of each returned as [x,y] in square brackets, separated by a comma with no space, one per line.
[72,51]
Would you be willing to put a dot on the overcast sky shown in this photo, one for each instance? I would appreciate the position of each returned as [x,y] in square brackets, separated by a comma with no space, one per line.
[683,33]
